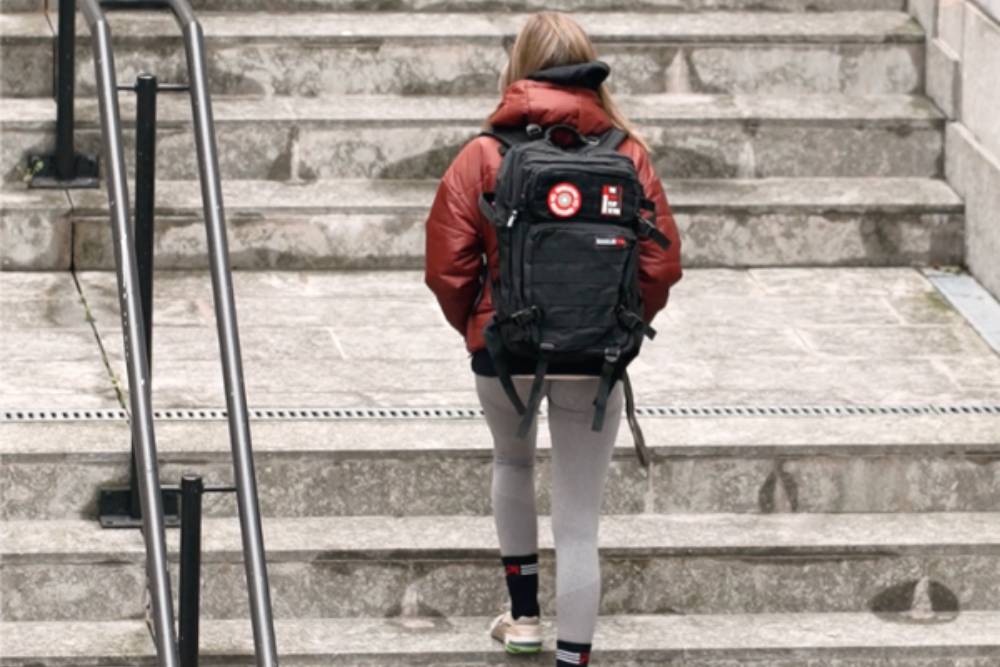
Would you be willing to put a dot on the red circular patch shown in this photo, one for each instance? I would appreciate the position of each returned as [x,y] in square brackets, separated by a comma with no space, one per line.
[564,200]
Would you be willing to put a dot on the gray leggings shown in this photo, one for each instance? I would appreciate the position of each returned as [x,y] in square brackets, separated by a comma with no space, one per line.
[580,460]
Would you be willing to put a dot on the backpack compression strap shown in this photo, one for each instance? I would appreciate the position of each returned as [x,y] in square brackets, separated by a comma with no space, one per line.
[611,359]
[495,348]
[535,399]
[640,441]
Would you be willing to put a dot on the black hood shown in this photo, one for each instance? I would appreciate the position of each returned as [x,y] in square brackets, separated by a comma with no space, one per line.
[582,75]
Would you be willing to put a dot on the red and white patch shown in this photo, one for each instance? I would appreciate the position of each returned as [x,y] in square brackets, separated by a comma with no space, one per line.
[611,200]
[564,200]
[610,241]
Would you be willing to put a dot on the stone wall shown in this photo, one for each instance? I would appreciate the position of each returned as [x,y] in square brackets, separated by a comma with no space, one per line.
[963,78]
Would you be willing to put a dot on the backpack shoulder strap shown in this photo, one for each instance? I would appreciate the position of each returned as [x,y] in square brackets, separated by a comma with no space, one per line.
[610,140]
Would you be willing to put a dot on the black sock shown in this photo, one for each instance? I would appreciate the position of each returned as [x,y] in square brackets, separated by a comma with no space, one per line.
[522,584]
[571,654]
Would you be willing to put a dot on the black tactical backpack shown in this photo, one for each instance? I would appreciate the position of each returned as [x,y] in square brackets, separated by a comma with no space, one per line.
[568,217]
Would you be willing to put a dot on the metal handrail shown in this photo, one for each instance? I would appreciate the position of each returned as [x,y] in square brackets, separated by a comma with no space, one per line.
[135,336]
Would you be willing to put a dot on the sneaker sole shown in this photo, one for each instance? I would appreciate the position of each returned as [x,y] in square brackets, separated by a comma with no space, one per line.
[515,648]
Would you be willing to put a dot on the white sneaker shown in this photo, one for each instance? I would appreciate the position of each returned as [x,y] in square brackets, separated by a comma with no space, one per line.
[523,635]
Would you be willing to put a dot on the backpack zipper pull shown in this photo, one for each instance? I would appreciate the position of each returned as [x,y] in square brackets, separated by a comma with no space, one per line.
[512,218]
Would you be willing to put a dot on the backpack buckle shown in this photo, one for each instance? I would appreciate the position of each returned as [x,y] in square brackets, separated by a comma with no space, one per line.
[633,322]
[612,355]
[649,230]
[526,316]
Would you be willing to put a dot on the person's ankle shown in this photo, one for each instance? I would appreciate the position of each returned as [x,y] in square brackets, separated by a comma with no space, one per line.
[521,573]
[571,654]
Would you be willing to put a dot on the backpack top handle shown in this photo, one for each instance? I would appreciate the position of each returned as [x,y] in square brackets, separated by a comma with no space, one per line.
[581,140]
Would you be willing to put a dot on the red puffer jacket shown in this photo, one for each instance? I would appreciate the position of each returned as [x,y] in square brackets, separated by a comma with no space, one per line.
[458,235]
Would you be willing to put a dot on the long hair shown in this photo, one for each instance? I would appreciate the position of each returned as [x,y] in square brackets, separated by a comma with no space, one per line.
[553,39]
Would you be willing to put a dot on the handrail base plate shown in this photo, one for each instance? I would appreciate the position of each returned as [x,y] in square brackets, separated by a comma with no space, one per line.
[45,176]
[115,507]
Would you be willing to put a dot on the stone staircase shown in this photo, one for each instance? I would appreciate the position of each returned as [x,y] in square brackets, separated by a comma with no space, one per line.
[767,533]
[334,123]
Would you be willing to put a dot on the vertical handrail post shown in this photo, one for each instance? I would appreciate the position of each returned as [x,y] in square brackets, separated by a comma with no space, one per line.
[229,344]
[120,507]
[192,488]
[141,413]
[64,168]
[146,87]
[65,157]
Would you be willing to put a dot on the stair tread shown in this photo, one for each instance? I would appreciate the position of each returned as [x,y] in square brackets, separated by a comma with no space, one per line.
[877,27]
[449,537]
[381,110]
[737,634]
[17,197]
[384,196]
[896,435]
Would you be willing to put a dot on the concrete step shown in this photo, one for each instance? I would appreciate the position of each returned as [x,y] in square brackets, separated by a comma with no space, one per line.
[692,136]
[826,337]
[36,232]
[398,467]
[329,53]
[379,224]
[449,566]
[13,6]
[837,337]
[761,640]
[436,6]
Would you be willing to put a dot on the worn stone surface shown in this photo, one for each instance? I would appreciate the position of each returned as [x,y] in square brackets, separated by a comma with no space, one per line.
[26,47]
[899,369]
[694,136]
[465,66]
[980,97]
[774,640]
[773,221]
[557,5]
[976,174]
[33,5]
[864,52]
[919,436]
[398,484]
[951,24]
[944,78]
[39,311]
[892,195]
[35,230]
[656,564]
[821,239]
[284,242]
[18,144]
[925,12]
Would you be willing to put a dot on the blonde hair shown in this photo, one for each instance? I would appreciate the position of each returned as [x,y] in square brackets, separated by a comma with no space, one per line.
[553,39]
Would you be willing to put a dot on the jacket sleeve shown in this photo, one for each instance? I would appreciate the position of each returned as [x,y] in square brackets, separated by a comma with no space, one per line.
[659,269]
[454,243]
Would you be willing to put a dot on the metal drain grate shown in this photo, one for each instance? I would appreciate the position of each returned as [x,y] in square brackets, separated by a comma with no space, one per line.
[442,413]
[817,410]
